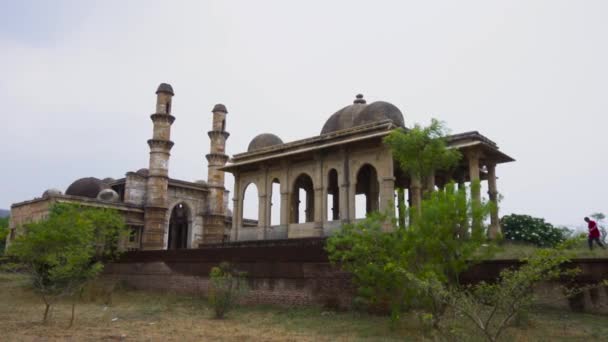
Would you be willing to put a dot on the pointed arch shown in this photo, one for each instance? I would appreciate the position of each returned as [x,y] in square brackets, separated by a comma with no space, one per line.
[302,200]
[367,191]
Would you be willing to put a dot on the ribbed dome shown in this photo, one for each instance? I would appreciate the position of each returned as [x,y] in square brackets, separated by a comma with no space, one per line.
[86,187]
[264,140]
[345,117]
[379,111]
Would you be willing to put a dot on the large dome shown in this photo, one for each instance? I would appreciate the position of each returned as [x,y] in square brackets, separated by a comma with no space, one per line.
[264,140]
[379,111]
[360,113]
[86,187]
[345,117]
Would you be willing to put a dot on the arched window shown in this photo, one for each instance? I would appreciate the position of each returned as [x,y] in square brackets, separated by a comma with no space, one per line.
[179,227]
[333,196]
[275,203]
[251,202]
[302,200]
[367,191]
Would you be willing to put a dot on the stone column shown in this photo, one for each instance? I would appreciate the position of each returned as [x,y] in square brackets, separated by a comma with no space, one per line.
[262,223]
[236,208]
[387,195]
[473,158]
[493,194]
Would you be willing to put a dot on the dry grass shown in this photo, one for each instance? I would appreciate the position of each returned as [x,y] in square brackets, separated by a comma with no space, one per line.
[513,250]
[140,316]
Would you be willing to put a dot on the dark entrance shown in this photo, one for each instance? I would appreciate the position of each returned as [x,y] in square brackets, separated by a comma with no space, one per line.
[178,227]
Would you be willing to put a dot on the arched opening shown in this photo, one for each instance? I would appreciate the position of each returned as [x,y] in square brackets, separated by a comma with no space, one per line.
[333,196]
[179,227]
[251,204]
[168,107]
[302,200]
[275,203]
[367,191]
[224,125]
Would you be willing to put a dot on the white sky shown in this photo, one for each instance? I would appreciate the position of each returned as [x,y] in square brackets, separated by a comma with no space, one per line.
[77,82]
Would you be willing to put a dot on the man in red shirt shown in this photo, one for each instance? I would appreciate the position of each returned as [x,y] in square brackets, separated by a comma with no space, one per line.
[594,233]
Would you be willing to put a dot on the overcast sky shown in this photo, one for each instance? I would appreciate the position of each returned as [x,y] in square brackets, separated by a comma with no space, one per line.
[77,83]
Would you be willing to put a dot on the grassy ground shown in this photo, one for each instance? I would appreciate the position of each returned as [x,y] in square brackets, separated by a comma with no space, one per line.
[511,250]
[140,316]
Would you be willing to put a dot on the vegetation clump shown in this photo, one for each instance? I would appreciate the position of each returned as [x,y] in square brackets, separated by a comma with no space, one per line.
[525,228]
[64,251]
[226,286]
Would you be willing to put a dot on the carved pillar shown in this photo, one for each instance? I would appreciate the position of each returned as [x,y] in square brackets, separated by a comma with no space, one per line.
[493,194]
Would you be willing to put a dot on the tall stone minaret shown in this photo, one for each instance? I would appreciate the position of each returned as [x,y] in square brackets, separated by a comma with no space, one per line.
[158,179]
[215,220]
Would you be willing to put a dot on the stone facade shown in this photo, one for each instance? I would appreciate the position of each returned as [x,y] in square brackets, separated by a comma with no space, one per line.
[347,160]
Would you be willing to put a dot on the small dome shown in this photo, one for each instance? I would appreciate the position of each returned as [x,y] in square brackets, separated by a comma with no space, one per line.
[201,182]
[51,192]
[108,180]
[108,195]
[379,111]
[219,108]
[228,212]
[86,187]
[264,140]
[344,118]
[143,172]
[165,88]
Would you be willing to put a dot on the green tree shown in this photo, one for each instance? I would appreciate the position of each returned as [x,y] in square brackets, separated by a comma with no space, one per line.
[493,307]
[525,228]
[435,244]
[420,152]
[68,249]
[3,233]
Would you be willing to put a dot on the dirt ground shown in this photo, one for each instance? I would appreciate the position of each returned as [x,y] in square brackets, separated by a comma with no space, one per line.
[140,316]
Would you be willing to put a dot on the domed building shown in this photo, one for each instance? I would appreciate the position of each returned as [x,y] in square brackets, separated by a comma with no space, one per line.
[313,185]
[162,212]
[320,183]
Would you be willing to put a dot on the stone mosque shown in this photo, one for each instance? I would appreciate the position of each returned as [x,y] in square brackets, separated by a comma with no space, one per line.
[319,179]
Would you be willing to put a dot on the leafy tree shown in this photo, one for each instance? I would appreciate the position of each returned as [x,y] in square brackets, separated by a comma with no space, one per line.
[434,245]
[533,230]
[493,307]
[67,249]
[420,152]
[227,285]
[3,233]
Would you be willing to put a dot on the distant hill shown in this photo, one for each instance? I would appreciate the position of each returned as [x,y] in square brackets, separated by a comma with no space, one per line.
[4,213]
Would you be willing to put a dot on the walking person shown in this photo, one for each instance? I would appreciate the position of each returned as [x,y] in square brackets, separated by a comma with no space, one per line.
[594,233]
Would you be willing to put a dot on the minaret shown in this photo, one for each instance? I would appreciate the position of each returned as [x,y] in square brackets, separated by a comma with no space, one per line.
[215,220]
[158,179]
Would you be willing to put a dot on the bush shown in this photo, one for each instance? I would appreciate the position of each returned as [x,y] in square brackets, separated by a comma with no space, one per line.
[227,285]
[440,243]
[525,228]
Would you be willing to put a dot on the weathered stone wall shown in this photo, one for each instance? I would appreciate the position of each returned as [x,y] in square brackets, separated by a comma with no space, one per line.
[135,188]
[297,272]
